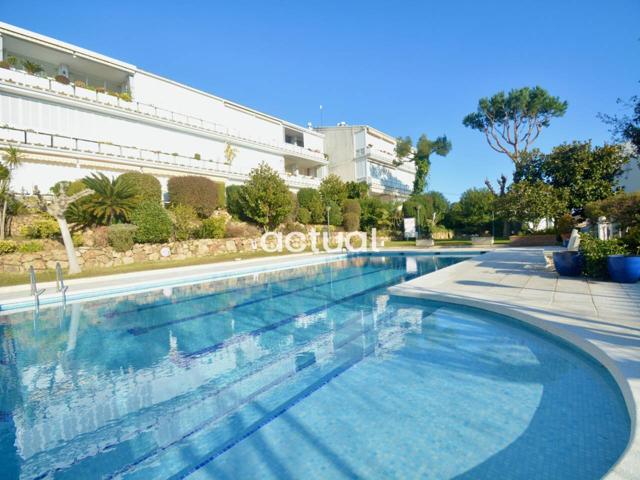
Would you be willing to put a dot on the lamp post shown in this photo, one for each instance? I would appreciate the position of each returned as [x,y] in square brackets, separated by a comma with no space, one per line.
[328,212]
[417,222]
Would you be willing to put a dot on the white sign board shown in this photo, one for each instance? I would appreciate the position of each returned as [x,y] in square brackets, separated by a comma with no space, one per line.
[410,227]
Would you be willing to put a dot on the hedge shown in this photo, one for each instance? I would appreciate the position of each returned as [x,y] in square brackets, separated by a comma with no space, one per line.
[153,222]
[147,186]
[201,193]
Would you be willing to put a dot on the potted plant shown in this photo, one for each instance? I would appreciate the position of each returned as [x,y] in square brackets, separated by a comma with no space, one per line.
[568,263]
[625,268]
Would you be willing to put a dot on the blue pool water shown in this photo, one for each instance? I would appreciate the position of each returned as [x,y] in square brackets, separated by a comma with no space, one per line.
[311,372]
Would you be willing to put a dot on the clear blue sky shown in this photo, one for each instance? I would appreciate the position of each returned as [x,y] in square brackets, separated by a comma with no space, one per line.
[402,67]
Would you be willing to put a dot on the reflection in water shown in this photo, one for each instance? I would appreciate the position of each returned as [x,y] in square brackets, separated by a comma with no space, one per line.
[154,384]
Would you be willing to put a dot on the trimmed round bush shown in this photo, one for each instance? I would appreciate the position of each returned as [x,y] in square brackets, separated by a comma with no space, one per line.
[7,246]
[351,222]
[121,236]
[201,193]
[213,227]
[146,186]
[304,215]
[153,222]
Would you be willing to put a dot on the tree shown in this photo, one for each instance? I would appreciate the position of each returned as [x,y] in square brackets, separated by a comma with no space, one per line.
[419,207]
[357,189]
[12,160]
[587,174]
[421,156]
[112,200]
[265,197]
[512,122]
[310,200]
[627,127]
[332,189]
[473,213]
[440,205]
[57,208]
[529,203]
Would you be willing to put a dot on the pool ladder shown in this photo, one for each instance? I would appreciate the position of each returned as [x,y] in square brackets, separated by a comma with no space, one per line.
[60,286]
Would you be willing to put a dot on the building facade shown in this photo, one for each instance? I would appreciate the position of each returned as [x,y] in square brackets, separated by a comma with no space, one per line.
[363,154]
[71,112]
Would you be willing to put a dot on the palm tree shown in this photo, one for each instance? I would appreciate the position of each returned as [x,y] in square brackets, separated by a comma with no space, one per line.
[32,67]
[113,200]
[12,160]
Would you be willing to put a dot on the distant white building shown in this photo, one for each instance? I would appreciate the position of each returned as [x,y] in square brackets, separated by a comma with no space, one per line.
[85,112]
[363,154]
[630,178]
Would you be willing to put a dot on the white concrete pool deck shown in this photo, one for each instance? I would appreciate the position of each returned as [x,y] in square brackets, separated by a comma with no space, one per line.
[602,318]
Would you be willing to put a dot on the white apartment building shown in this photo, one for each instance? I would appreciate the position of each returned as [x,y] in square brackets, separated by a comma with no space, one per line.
[363,154]
[87,112]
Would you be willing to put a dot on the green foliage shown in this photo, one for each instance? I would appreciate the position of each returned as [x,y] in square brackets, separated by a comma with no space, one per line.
[44,227]
[7,246]
[304,216]
[77,239]
[531,202]
[153,222]
[587,174]
[32,67]
[376,213]
[627,127]
[351,215]
[240,230]
[566,223]
[310,199]
[32,246]
[422,158]
[234,206]
[512,122]
[440,205]
[403,147]
[357,189]
[121,236]
[419,207]
[623,208]
[213,227]
[265,198]
[335,213]
[595,253]
[113,200]
[201,193]
[332,190]
[185,221]
[147,187]
[473,213]
[631,240]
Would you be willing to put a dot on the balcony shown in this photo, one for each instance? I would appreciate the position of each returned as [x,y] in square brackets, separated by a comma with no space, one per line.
[47,85]
[381,179]
[61,149]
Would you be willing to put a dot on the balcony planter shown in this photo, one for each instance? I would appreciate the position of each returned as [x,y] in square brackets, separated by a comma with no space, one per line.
[481,241]
[624,268]
[568,264]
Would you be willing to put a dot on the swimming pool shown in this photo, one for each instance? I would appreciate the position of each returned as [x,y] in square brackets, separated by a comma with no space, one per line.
[314,372]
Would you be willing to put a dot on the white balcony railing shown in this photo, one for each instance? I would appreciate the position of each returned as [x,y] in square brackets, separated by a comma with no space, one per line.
[50,85]
[140,157]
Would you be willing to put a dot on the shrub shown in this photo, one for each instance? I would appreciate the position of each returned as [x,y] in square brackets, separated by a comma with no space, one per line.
[623,208]
[310,199]
[113,200]
[45,227]
[351,222]
[77,239]
[595,253]
[153,222]
[201,193]
[30,247]
[566,223]
[80,83]
[185,221]
[126,96]
[7,246]
[213,227]
[62,79]
[335,214]
[234,207]
[290,227]
[240,229]
[631,240]
[357,189]
[304,216]
[146,187]
[333,189]
[121,236]
[265,198]
[101,236]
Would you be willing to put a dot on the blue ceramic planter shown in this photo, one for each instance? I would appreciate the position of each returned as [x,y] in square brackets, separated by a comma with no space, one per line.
[624,268]
[568,264]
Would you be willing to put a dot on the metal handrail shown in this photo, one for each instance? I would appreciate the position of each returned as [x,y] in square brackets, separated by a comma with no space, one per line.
[60,286]
[34,288]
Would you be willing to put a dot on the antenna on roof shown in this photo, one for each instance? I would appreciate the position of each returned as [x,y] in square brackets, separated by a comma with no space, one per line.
[321,119]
